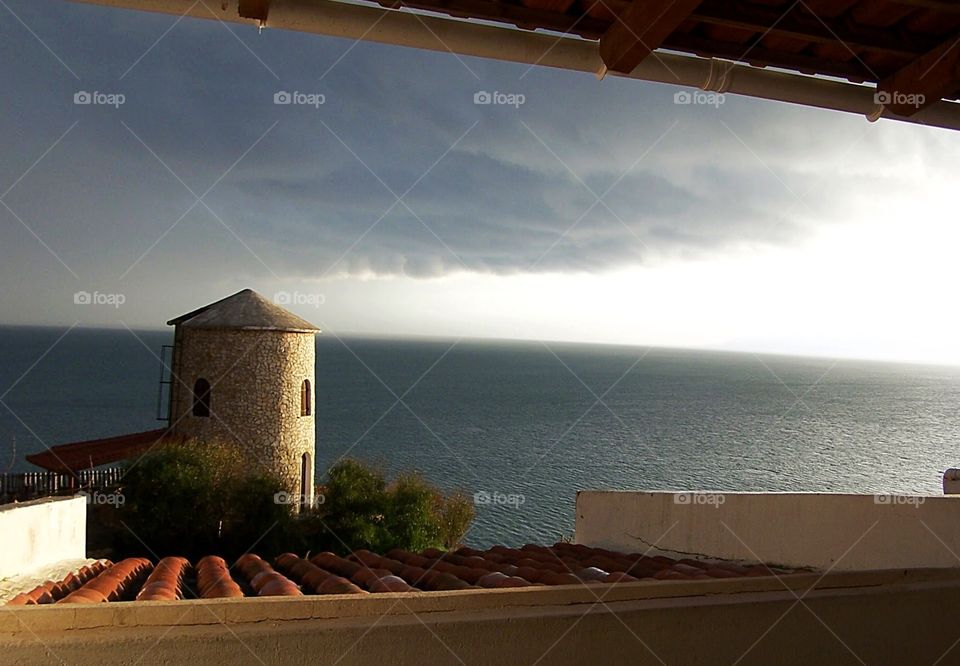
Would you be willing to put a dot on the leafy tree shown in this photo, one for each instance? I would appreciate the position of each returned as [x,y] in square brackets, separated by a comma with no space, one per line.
[198,498]
[454,514]
[355,502]
[411,521]
[362,510]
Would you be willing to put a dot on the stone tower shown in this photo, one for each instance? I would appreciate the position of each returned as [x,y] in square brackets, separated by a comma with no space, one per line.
[243,371]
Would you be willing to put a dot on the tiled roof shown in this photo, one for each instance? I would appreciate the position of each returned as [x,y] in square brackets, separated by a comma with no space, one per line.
[70,458]
[245,310]
[364,572]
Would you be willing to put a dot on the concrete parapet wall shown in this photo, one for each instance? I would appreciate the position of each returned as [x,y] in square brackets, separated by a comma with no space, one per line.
[874,617]
[821,531]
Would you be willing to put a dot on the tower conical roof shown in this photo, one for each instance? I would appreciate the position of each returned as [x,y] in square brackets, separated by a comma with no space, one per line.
[246,311]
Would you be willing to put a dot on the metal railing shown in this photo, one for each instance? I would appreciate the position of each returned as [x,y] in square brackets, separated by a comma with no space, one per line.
[23,486]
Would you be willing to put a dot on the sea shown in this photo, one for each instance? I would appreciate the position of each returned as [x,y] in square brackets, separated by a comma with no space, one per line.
[522,426]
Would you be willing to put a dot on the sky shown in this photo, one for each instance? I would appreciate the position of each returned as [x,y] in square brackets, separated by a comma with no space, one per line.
[388,202]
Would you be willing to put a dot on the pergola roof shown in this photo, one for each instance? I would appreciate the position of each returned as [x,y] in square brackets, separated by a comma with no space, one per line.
[897,59]
[71,458]
[904,46]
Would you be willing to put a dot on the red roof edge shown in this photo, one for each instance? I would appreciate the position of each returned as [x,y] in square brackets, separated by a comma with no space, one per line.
[71,458]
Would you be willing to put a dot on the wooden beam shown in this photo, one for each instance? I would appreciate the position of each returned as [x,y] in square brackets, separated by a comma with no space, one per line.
[254,9]
[582,25]
[640,29]
[804,26]
[800,25]
[939,5]
[759,56]
[923,82]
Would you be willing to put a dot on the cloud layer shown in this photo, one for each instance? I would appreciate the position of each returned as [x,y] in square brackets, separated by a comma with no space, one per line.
[583,176]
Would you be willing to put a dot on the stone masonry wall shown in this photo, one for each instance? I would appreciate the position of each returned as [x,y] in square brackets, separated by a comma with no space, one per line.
[255,397]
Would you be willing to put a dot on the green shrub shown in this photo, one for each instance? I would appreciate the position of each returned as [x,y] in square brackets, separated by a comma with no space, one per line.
[355,502]
[198,498]
[410,521]
[362,510]
[454,514]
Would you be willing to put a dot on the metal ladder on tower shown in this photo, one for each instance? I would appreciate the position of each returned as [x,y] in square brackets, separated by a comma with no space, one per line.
[167,375]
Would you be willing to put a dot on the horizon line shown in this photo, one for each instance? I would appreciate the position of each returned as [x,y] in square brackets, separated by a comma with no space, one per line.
[533,340]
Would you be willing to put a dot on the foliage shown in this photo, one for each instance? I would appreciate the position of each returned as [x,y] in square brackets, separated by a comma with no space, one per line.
[361,510]
[198,498]
[455,514]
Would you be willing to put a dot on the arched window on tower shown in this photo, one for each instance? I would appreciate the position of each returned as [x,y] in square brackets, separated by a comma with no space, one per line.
[201,397]
[306,398]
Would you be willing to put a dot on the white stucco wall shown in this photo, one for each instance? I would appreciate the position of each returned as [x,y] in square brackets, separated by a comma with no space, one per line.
[823,531]
[42,532]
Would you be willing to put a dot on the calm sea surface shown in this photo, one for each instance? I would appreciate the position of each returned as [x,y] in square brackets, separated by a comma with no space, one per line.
[537,423]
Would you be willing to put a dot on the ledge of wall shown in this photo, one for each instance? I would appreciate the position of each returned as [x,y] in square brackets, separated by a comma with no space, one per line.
[883,617]
[42,532]
[821,531]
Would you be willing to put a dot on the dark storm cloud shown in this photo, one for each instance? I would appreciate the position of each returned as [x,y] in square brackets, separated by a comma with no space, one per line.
[499,201]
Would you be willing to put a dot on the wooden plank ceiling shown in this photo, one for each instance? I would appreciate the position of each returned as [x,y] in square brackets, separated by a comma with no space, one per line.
[909,48]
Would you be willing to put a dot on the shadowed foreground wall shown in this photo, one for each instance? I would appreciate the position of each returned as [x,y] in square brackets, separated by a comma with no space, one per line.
[879,617]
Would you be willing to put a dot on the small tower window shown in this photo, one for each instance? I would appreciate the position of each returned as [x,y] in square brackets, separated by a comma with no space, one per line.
[201,398]
[306,398]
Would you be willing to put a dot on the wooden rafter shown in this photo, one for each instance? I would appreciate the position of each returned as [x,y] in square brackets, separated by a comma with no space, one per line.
[854,45]
[641,28]
[802,25]
[763,57]
[926,80]
[254,9]
[517,14]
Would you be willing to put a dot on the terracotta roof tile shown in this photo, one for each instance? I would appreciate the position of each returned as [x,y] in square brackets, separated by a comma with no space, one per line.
[364,572]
